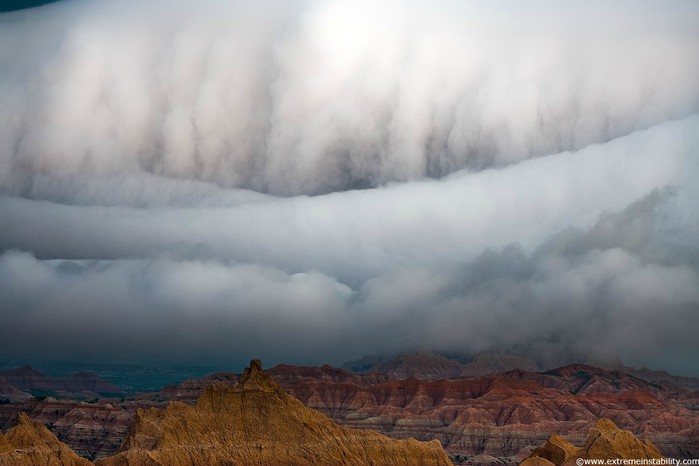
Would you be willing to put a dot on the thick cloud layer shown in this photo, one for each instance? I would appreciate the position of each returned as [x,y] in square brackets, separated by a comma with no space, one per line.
[311,97]
[609,290]
[533,169]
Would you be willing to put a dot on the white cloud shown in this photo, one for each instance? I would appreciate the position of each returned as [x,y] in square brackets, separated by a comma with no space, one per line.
[329,95]
[533,172]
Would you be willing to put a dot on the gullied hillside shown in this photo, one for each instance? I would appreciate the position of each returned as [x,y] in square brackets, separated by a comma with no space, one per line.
[256,422]
[494,416]
[29,443]
[92,429]
[498,417]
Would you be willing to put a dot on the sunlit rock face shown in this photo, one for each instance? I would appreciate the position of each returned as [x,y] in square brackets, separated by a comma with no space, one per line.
[605,441]
[29,443]
[256,422]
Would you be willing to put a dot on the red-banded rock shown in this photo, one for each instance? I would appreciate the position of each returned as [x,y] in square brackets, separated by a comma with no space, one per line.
[498,416]
[92,430]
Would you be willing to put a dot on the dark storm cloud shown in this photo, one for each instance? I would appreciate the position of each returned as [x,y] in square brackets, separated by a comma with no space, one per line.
[130,135]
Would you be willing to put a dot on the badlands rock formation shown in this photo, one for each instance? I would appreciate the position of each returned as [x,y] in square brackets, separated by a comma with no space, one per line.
[254,423]
[494,417]
[29,443]
[605,441]
[498,417]
[91,429]
[556,450]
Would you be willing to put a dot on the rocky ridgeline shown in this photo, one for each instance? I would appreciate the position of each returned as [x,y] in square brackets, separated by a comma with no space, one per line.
[491,418]
[252,423]
[256,422]
[498,416]
[29,443]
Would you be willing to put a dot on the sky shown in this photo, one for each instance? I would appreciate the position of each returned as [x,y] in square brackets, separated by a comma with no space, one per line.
[312,181]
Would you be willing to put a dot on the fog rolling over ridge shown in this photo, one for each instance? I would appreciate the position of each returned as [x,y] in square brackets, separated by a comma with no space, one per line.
[309,182]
